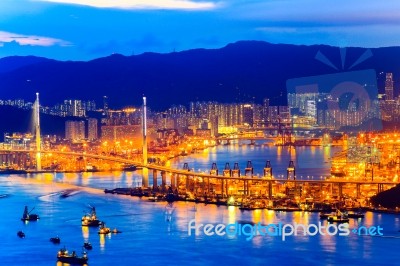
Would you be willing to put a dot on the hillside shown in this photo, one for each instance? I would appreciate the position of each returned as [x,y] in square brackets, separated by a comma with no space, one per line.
[243,71]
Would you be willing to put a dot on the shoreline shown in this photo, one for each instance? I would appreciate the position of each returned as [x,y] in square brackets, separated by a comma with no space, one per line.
[159,197]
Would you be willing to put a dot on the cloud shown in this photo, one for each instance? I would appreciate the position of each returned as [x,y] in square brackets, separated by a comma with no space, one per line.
[315,13]
[33,40]
[142,4]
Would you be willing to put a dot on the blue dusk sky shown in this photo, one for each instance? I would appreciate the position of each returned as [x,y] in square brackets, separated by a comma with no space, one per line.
[87,29]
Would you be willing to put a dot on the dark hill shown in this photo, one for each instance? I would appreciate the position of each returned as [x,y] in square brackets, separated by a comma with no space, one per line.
[243,71]
[388,199]
[11,63]
[18,120]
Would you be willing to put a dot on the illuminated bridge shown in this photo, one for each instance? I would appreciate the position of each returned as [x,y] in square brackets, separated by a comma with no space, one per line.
[231,181]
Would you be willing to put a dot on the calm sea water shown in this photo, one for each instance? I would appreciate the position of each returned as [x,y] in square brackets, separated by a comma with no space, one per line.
[154,234]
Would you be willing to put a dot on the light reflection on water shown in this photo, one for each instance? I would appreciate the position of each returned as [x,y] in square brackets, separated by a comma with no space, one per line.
[152,232]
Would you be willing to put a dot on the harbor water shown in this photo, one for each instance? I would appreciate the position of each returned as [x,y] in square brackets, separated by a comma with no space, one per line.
[154,233]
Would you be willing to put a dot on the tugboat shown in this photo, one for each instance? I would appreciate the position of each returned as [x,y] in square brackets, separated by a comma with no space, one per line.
[55,240]
[87,245]
[103,229]
[27,216]
[90,219]
[64,256]
[339,217]
[21,234]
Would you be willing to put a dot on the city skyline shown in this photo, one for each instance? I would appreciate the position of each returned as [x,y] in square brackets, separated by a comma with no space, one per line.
[80,29]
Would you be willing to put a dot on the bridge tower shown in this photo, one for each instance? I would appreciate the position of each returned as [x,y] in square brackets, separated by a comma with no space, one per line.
[144,124]
[37,133]
[214,169]
[268,169]
[249,170]
[145,178]
[291,169]
[186,168]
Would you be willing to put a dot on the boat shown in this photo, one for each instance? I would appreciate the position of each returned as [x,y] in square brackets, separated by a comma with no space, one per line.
[171,197]
[87,245]
[55,240]
[64,256]
[356,215]
[339,217]
[21,234]
[156,198]
[28,216]
[129,168]
[116,231]
[110,191]
[68,193]
[325,215]
[104,230]
[252,205]
[90,219]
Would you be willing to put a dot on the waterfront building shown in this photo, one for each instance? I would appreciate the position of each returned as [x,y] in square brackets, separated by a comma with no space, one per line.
[92,129]
[74,130]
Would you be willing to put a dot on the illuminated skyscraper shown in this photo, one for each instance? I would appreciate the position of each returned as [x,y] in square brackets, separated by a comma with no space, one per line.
[389,87]
[92,129]
[74,130]
[248,114]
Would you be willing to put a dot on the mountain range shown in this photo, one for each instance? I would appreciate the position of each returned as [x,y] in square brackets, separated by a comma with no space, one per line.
[245,71]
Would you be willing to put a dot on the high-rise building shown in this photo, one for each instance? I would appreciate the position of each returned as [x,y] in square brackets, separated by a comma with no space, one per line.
[92,129]
[105,104]
[73,108]
[75,130]
[311,109]
[265,109]
[77,109]
[214,125]
[273,113]
[248,115]
[389,87]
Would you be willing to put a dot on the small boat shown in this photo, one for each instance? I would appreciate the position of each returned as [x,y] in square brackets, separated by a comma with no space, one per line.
[90,219]
[87,245]
[356,215]
[68,193]
[21,234]
[171,197]
[110,191]
[64,256]
[339,217]
[55,240]
[28,216]
[252,205]
[116,231]
[156,198]
[129,168]
[325,215]
[104,230]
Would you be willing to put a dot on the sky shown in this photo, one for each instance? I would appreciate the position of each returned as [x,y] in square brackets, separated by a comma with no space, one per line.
[88,29]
